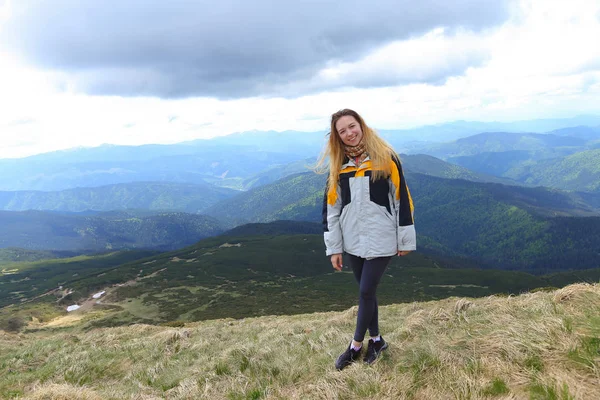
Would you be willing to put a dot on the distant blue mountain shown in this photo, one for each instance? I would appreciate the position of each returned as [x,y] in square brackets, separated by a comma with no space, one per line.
[245,159]
[405,139]
[539,145]
[222,165]
[192,198]
[44,230]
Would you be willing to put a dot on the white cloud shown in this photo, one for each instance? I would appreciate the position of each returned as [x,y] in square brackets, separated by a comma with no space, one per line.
[431,58]
[543,62]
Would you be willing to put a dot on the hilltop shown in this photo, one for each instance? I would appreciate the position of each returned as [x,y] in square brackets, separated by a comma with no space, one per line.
[542,345]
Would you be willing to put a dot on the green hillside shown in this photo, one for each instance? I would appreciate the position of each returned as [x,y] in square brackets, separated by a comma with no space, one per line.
[504,226]
[509,227]
[16,254]
[296,197]
[566,159]
[228,276]
[40,230]
[418,163]
[276,228]
[579,171]
[495,163]
[239,277]
[429,165]
[26,281]
[185,197]
[278,172]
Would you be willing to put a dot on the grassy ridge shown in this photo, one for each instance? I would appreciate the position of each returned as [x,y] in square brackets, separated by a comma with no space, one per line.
[538,346]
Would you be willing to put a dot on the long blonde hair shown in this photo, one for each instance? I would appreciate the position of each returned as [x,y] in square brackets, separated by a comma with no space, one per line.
[380,152]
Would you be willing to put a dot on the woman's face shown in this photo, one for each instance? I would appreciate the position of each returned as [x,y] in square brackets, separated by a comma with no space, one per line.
[349,130]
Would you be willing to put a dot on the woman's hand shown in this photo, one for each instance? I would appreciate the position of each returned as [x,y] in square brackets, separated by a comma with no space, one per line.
[336,261]
[403,253]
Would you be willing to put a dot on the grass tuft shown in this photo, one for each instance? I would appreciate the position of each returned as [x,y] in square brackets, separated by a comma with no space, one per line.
[496,388]
[534,363]
[541,391]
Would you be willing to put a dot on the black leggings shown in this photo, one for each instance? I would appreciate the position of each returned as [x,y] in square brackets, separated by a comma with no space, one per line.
[368,273]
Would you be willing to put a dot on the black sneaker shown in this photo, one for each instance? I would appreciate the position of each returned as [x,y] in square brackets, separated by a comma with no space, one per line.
[374,350]
[347,358]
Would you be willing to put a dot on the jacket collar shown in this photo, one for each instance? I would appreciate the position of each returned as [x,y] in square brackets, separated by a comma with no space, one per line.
[348,162]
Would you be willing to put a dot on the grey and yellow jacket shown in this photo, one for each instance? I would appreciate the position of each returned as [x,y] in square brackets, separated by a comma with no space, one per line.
[368,218]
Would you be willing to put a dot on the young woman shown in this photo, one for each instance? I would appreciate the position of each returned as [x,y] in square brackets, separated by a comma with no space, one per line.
[367,215]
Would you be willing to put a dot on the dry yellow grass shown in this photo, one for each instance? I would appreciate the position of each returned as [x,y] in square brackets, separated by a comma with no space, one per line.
[543,345]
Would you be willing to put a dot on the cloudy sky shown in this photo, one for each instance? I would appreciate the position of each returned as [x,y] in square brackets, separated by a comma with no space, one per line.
[86,72]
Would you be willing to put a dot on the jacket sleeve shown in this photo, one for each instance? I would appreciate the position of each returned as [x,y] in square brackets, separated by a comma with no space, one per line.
[332,206]
[407,237]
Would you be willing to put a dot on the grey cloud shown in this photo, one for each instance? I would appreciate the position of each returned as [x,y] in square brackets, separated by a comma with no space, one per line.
[224,48]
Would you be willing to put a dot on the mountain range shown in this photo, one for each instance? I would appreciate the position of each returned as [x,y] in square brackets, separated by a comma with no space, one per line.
[564,159]
[503,226]
[195,197]
[186,197]
[521,211]
[236,161]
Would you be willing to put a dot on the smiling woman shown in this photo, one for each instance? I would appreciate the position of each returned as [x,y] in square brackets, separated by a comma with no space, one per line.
[367,218]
